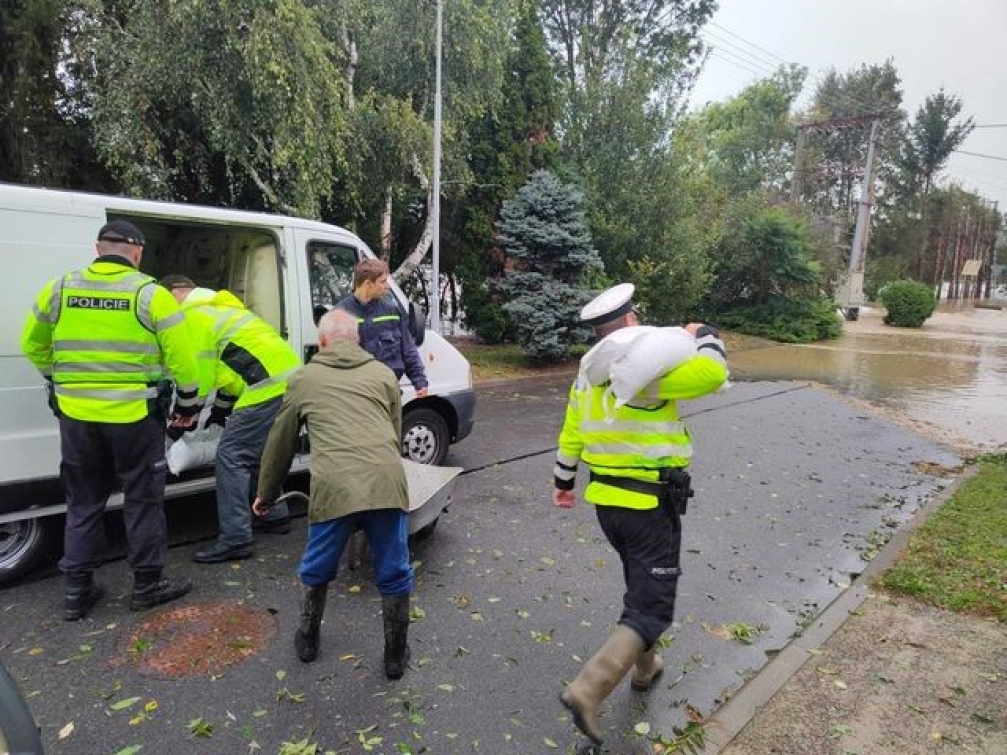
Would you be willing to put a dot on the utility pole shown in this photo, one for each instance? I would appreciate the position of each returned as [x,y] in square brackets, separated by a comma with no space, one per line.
[832,124]
[859,249]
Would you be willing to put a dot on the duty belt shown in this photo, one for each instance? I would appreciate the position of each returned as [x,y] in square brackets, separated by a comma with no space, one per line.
[673,489]
[647,487]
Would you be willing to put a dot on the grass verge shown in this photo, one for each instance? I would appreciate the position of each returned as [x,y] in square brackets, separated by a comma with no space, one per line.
[501,361]
[958,558]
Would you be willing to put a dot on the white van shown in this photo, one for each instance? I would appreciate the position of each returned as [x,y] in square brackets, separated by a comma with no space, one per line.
[285,269]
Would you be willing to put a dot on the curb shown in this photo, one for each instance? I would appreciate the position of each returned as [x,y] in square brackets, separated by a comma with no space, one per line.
[508,382]
[732,717]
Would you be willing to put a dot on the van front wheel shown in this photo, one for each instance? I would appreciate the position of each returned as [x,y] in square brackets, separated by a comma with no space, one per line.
[425,436]
[22,544]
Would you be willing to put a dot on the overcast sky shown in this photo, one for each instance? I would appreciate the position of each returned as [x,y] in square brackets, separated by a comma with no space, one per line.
[958,44]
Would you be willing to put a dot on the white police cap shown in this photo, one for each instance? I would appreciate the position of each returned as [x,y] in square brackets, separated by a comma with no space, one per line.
[609,305]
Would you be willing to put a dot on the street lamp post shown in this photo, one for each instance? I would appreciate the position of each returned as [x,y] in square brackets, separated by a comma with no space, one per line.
[435,209]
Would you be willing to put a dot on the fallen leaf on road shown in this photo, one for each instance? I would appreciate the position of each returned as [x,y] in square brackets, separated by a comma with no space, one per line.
[126,703]
[66,731]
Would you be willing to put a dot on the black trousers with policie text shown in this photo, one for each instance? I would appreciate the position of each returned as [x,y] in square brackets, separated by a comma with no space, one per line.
[649,543]
[98,457]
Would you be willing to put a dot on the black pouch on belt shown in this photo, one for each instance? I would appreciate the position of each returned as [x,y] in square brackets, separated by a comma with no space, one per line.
[678,489]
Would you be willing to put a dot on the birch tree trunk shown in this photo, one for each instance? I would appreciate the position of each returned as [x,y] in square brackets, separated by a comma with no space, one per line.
[415,258]
[386,225]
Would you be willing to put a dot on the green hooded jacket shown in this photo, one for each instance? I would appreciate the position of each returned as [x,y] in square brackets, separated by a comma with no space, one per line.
[352,406]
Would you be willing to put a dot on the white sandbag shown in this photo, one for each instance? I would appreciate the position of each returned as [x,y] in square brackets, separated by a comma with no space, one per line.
[649,357]
[194,449]
[596,364]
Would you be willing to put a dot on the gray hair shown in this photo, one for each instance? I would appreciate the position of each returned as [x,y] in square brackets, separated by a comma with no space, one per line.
[337,325]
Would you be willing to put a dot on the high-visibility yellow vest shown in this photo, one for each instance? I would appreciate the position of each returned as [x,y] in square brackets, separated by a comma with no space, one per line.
[240,354]
[105,336]
[636,440]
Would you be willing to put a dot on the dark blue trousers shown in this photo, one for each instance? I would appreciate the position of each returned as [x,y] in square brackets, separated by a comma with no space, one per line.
[649,543]
[387,532]
[98,457]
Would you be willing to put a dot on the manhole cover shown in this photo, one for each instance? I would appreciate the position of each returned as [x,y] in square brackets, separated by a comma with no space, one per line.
[199,640]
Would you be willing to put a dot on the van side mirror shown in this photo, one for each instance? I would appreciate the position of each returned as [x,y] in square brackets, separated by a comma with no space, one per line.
[318,312]
[417,323]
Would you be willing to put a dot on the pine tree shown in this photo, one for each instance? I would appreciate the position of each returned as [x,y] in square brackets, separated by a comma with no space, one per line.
[506,146]
[544,234]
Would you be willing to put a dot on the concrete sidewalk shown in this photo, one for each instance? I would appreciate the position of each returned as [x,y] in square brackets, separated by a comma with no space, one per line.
[875,674]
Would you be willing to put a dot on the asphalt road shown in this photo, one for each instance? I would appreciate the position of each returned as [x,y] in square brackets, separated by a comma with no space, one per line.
[795,490]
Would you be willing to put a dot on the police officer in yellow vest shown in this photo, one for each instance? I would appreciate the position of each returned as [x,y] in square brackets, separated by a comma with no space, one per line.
[247,362]
[107,337]
[639,487]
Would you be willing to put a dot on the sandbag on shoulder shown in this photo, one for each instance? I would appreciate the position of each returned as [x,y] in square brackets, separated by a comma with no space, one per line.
[596,364]
[649,357]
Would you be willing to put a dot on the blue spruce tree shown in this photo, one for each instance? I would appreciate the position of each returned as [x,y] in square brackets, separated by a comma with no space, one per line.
[544,234]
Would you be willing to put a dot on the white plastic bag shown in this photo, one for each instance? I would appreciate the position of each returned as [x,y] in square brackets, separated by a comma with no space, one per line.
[194,449]
[649,357]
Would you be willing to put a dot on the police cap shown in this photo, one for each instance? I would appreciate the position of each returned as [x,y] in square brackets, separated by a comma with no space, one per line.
[121,231]
[609,305]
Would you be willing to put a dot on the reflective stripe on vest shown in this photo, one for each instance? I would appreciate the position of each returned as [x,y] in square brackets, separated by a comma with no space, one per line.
[234,327]
[646,450]
[279,378]
[73,391]
[127,284]
[127,346]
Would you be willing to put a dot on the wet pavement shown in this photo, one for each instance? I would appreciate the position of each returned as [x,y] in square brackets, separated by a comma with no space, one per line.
[797,489]
[949,376]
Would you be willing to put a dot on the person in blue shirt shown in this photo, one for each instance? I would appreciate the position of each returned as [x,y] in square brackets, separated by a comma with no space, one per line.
[384,332]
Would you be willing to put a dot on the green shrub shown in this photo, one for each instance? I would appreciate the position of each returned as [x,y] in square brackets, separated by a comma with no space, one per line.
[909,303]
[786,320]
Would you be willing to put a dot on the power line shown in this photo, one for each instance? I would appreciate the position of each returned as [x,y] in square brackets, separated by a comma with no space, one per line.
[747,42]
[718,56]
[763,61]
[990,125]
[976,154]
[735,56]
[842,98]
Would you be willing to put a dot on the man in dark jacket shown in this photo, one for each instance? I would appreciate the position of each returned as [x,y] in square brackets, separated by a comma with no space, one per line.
[352,407]
[383,332]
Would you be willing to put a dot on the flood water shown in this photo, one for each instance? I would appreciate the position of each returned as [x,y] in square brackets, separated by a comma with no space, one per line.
[949,377]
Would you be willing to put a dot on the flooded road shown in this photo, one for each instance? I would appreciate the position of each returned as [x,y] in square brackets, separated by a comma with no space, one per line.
[948,378]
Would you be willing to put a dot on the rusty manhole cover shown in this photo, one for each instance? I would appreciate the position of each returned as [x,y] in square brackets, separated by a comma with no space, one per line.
[200,640]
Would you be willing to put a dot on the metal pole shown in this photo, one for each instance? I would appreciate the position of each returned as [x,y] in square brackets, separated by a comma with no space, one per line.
[795,182]
[859,248]
[435,210]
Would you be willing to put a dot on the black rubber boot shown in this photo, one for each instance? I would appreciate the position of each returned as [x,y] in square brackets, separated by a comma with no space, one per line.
[312,609]
[150,590]
[395,611]
[81,592]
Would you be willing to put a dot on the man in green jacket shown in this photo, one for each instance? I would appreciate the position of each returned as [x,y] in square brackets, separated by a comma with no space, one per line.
[352,406]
